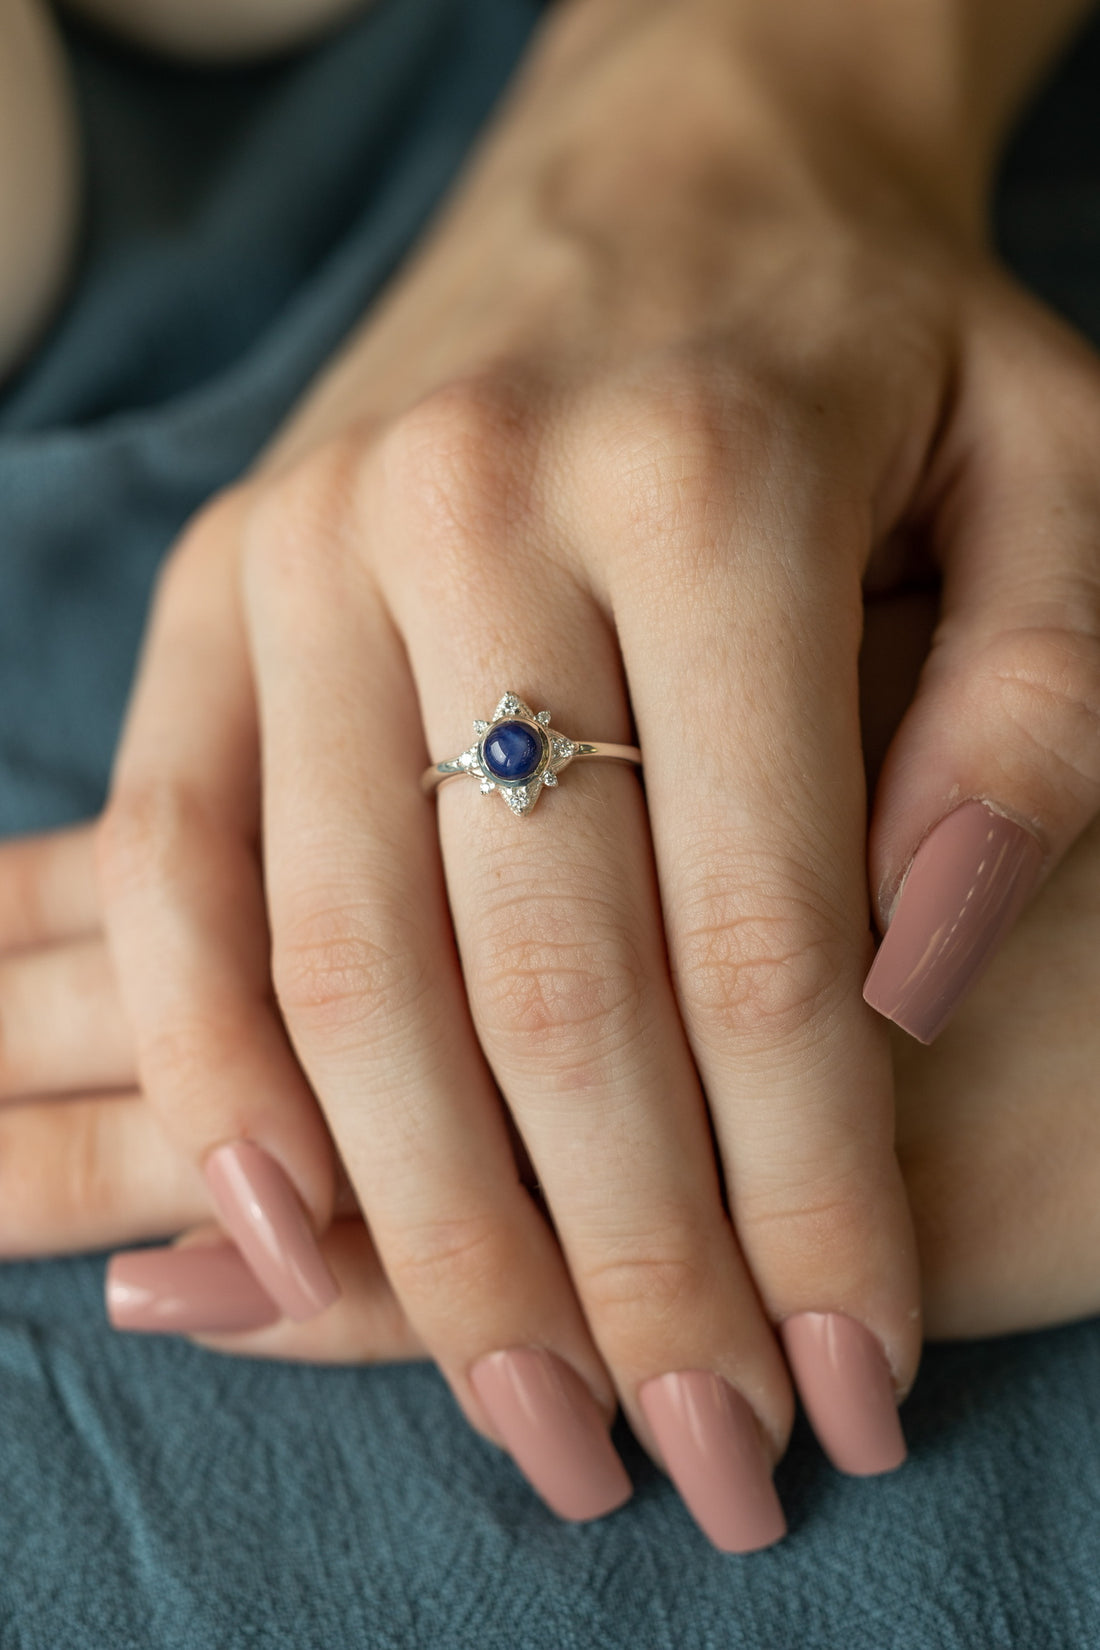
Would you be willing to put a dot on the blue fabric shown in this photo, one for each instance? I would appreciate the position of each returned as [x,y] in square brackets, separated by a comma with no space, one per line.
[155,1496]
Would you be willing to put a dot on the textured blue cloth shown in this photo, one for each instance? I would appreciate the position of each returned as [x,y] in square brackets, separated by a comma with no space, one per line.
[156,1497]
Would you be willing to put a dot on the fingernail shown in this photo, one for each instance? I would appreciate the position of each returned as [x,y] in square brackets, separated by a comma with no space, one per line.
[264,1216]
[844,1382]
[966,886]
[181,1291]
[553,1429]
[712,1447]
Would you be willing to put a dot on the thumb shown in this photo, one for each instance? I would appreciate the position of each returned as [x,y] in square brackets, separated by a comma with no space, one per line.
[995,768]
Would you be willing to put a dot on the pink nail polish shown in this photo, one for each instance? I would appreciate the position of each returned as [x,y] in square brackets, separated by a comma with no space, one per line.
[712,1446]
[207,1288]
[967,884]
[264,1216]
[554,1431]
[844,1382]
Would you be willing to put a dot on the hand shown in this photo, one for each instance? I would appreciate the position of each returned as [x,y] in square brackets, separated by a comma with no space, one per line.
[674,375]
[997,1128]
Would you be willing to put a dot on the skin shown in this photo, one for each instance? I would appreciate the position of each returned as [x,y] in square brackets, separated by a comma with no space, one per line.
[997,1127]
[708,338]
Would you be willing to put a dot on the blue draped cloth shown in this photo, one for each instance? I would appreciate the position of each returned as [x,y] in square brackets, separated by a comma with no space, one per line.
[154,1496]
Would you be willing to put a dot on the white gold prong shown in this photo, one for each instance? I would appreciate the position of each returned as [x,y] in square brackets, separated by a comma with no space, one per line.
[510,704]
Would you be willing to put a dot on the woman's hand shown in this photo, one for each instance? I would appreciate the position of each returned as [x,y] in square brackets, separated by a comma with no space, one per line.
[998,1131]
[698,349]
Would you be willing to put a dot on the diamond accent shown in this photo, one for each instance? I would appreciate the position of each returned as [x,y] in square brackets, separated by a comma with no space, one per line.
[523,797]
[561,748]
[549,778]
[509,704]
[543,716]
[487,787]
[480,728]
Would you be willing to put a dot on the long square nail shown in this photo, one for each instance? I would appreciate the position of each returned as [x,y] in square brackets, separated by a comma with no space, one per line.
[553,1429]
[205,1288]
[967,884]
[264,1216]
[846,1389]
[712,1447]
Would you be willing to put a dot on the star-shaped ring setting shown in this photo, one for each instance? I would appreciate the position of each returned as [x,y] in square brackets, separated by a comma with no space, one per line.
[519,754]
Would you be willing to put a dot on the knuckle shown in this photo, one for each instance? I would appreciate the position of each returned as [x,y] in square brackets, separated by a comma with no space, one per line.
[181,575]
[340,972]
[458,1260]
[673,449]
[201,561]
[183,1060]
[203,538]
[86,1183]
[1046,680]
[302,522]
[646,1287]
[757,971]
[824,1214]
[457,468]
[53,1173]
[543,988]
[148,830]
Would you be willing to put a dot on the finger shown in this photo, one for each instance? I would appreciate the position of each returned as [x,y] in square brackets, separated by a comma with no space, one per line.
[62,1026]
[370,986]
[184,912]
[996,766]
[48,888]
[200,1286]
[755,787]
[559,928]
[96,1171]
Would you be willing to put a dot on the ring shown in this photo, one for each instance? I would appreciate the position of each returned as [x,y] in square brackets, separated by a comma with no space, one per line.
[518,753]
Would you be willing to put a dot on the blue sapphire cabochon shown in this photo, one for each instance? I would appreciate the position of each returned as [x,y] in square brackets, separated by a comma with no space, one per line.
[513,750]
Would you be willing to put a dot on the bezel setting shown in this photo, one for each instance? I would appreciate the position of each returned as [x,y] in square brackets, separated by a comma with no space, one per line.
[540,766]
[557,751]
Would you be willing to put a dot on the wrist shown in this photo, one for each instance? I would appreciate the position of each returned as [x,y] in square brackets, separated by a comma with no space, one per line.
[913,96]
